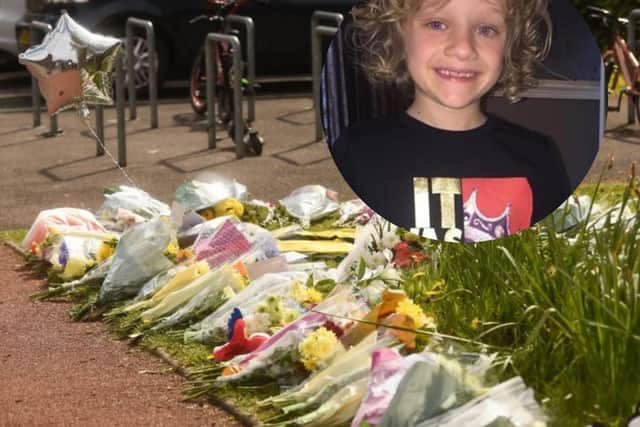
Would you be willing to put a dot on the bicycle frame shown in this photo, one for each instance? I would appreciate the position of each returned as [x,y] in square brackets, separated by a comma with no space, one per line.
[625,63]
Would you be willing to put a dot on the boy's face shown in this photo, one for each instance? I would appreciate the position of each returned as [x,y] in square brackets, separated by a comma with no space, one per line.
[454,51]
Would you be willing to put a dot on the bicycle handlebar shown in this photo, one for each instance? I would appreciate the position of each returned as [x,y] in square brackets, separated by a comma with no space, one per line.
[605,16]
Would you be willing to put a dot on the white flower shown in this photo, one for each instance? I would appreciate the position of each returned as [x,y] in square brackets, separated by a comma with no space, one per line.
[390,274]
[373,292]
[258,322]
[374,259]
[389,239]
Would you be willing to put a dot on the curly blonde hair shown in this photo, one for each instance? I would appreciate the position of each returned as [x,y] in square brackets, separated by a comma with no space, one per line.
[377,26]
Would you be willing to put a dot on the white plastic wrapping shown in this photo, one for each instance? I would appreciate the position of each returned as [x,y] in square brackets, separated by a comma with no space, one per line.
[215,325]
[128,206]
[64,220]
[206,191]
[510,403]
[310,203]
[139,256]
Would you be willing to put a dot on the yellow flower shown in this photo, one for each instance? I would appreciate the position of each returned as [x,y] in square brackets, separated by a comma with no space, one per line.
[418,274]
[229,206]
[317,348]
[436,288]
[74,269]
[105,250]
[302,294]
[172,248]
[298,292]
[475,324]
[314,296]
[411,309]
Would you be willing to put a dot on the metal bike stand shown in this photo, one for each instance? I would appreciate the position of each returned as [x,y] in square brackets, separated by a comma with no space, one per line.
[34,28]
[133,23]
[122,137]
[251,60]
[100,130]
[318,31]
[210,43]
[631,42]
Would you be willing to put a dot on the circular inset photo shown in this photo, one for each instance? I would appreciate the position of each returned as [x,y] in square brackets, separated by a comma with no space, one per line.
[463,120]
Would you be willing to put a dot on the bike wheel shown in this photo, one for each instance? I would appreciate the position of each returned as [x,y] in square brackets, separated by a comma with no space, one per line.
[198,88]
[198,85]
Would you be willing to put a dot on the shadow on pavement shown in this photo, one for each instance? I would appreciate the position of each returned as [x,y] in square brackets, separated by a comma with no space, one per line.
[287,118]
[294,156]
[49,173]
[200,160]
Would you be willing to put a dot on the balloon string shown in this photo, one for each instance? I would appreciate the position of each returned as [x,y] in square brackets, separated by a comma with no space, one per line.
[84,115]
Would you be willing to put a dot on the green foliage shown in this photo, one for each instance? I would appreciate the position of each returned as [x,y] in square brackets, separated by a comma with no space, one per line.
[15,236]
[565,312]
[187,355]
[607,193]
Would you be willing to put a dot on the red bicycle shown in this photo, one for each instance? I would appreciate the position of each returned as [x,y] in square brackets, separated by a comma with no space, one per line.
[217,11]
[619,61]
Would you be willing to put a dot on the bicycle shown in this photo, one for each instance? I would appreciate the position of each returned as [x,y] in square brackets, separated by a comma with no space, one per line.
[217,11]
[619,61]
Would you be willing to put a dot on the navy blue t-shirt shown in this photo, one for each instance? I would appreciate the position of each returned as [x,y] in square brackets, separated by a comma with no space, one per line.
[472,185]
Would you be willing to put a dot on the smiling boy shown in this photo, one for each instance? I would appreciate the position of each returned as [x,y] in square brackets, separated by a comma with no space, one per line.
[445,166]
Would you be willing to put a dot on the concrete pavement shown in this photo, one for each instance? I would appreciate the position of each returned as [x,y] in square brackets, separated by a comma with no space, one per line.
[37,173]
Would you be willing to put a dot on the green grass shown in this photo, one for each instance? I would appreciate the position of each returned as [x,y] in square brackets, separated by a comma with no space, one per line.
[608,192]
[15,236]
[563,315]
[187,355]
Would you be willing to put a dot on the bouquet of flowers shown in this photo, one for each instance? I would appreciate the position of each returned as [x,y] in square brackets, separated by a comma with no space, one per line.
[128,206]
[72,253]
[268,295]
[305,345]
[142,252]
[64,220]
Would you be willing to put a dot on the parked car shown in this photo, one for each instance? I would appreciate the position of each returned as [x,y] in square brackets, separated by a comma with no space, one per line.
[281,29]
[10,12]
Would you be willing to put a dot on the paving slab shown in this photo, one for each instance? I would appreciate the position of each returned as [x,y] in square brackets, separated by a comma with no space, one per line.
[38,173]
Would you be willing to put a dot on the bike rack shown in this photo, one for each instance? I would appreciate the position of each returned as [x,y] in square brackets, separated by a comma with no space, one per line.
[133,23]
[251,61]
[210,43]
[120,106]
[631,42]
[122,136]
[34,27]
[318,31]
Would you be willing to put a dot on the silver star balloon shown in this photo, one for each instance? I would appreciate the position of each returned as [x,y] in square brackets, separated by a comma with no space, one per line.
[73,66]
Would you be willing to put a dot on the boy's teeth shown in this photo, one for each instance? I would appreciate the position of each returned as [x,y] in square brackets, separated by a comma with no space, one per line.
[457,74]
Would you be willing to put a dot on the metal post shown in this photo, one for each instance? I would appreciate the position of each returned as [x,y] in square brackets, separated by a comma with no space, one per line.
[35,91]
[316,57]
[122,142]
[100,130]
[34,28]
[631,42]
[53,119]
[210,67]
[251,61]
[211,41]
[132,23]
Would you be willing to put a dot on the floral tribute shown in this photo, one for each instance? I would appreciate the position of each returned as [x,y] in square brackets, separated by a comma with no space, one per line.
[306,296]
